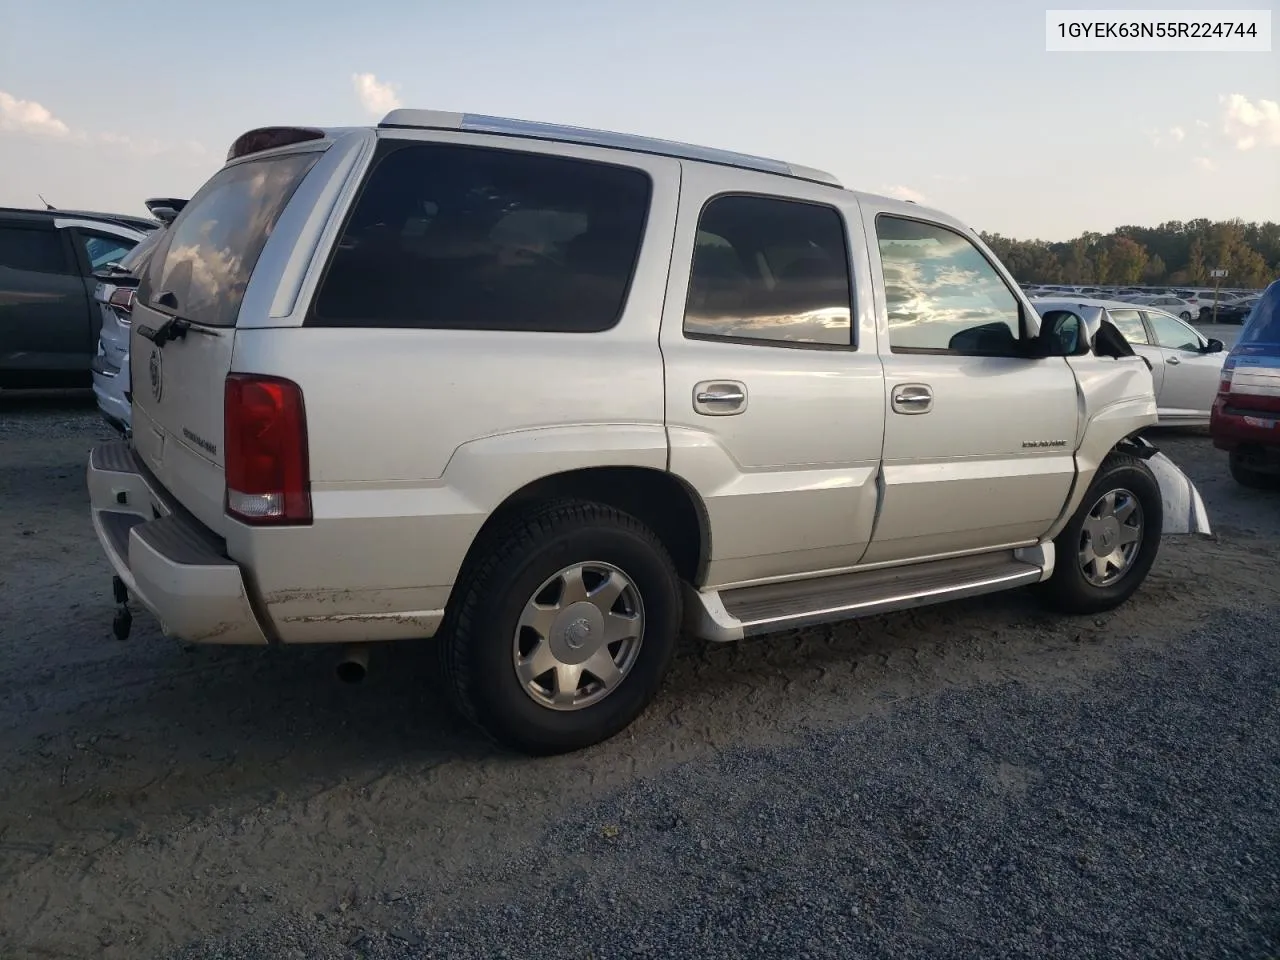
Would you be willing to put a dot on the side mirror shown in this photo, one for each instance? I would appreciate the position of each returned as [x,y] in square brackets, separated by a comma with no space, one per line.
[1062,334]
[1214,346]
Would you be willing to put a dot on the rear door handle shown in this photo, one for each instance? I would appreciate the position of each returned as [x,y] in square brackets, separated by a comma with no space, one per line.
[912,398]
[720,398]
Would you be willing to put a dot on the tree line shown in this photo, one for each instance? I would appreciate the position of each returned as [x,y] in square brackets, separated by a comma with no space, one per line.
[1172,254]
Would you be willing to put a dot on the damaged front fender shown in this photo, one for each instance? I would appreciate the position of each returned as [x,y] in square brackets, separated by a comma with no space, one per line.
[1184,511]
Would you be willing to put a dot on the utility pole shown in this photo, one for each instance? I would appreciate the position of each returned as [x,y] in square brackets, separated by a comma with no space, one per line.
[1217,275]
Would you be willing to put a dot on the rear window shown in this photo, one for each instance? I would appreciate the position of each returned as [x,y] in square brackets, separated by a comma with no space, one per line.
[212,247]
[469,238]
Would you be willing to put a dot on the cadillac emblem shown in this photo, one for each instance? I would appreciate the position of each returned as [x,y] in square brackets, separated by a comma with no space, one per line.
[156,369]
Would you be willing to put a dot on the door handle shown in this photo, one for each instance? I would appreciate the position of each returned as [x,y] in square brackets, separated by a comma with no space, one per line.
[912,398]
[1173,360]
[720,398]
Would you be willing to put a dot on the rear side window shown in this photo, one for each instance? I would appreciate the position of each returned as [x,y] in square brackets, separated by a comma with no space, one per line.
[101,249]
[205,261]
[469,238]
[1129,323]
[770,270]
[38,251]
[1263,325]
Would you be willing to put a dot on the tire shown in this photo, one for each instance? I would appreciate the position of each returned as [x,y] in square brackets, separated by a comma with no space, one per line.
[1070,589]
[1252,479]
[484,644]
[1186,315]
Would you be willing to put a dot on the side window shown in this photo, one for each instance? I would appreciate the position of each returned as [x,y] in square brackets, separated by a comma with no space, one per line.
[37,251]
[771,270]
[470,238]
[1173,334]
[101,249]
[1129,323]
[942,294]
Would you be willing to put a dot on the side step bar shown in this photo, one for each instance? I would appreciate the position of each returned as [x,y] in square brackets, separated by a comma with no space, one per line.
[746,611]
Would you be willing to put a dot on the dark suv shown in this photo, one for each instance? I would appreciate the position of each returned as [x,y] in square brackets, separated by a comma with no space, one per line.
[48,320]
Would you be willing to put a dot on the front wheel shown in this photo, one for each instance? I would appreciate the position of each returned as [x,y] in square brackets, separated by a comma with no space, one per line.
[564,629]
[1107,548]
[1186,315]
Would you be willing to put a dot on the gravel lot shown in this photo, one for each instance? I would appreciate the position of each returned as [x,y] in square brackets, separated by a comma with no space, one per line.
[978,779]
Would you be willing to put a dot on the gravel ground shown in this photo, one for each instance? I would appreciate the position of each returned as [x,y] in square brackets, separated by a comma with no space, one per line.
[973,779]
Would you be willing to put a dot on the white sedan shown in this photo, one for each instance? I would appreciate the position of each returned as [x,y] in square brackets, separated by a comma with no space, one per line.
[1167,304]
[1185,364]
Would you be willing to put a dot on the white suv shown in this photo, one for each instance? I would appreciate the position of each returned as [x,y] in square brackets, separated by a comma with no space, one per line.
[556,394]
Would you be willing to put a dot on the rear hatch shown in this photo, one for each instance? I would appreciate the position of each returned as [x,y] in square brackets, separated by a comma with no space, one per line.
[184,321]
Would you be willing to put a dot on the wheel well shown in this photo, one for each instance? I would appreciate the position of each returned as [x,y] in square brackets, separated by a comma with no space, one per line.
[658,499]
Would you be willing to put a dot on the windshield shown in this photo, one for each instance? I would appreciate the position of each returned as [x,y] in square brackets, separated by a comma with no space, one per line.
[203,266]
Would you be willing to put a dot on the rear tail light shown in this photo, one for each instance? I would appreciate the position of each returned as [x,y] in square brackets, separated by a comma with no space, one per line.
[1224,381]
[122,299]
[265,450]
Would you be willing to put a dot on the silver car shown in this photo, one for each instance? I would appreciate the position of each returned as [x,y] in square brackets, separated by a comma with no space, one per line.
[1185,364]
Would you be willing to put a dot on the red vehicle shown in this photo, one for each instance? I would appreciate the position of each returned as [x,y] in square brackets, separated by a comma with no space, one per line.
[1246,412]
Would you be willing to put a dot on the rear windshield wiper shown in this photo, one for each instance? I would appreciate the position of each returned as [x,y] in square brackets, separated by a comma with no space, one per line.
[175,328]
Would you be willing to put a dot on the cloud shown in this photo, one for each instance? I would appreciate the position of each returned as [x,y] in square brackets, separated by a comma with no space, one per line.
[376,97]
[1202,124]
[1178,134]
[905,193]
[1205,164]
[1249,124]
[27,116]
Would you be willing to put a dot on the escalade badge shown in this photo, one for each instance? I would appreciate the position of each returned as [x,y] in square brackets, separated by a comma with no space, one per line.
[1044,443]
[156,369]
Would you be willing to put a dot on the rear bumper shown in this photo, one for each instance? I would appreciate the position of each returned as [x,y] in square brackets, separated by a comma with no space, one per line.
[171,563]
[1234,426]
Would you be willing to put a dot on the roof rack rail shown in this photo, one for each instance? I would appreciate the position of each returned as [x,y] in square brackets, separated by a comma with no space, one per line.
[402,118]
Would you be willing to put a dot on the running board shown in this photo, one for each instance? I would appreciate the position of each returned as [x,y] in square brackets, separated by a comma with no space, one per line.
[732,614]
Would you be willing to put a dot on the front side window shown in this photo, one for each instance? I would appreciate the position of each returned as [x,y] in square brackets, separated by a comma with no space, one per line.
[101,249]
[942,294]
[1173,334]
[770,270]
[37,251]
[1129,323]
[467,238]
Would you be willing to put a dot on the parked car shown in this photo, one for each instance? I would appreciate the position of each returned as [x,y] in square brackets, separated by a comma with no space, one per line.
[1246,412]
[113,295]
[1185,364]
[48,324]
[1173,305]
[556,394]
[1237,311]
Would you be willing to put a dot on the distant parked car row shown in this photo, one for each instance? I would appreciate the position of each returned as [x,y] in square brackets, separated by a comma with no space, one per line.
[1184,303]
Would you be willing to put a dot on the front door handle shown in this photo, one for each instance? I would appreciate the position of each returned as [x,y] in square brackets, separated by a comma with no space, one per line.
[1173,360]
[720,398]
[912,398]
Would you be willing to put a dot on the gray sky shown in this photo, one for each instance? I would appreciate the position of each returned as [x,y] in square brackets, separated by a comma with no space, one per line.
[955,103]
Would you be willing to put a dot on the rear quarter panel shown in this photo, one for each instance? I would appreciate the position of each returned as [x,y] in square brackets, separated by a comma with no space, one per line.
[416,436]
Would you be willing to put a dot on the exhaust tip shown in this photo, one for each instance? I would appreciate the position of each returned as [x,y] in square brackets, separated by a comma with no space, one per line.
[353,665]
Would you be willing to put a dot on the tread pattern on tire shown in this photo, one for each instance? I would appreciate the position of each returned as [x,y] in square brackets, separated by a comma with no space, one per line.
[521,533]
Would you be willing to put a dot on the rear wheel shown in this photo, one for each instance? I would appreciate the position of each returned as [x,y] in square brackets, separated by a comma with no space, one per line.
[1107,548]
[564,629]
[1186,315]
[1246,476]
